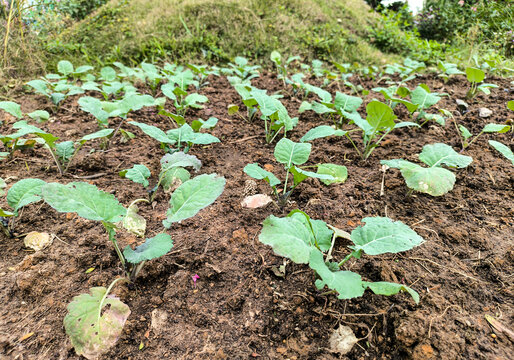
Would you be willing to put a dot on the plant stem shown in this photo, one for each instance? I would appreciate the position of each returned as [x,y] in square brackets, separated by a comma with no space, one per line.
[73,157]
[348,257]
[476,137]
[59,167]
[110,230]
[349,138]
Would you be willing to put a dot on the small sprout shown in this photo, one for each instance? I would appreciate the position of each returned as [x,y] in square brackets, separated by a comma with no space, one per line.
[195,277]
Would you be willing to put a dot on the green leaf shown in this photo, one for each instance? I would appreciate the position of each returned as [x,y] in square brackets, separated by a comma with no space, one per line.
[39,86]
[255,171]
[153,132]
[192,196]
[321,131]
[179,159]
[30,129]
[97,135]
[319,229]
[94,322]
[348,284]
[434,181]
[39,115]
[108,74]
[24,192]
[346,102]
[85,199]
[289,237]
[94,107]
[422,97]
[65,67]
[510,105]
[233,109]
[12,108]
[338,172]
[380,116]
[503,149]
[465,132]
[65,150]
[438,154]
[475,75]
[388,289]
[3,185]
[288,152]
[496,128]
[276,57]
[381,235]
[410,106]
[138,174]
[152,248]
[193,100]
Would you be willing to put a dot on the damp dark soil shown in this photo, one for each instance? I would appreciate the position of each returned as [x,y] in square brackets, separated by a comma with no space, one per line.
[240,308]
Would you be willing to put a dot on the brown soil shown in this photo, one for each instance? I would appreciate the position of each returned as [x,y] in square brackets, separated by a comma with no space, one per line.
[240,309]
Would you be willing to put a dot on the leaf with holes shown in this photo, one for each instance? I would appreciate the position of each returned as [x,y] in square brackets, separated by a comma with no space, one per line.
[94,322]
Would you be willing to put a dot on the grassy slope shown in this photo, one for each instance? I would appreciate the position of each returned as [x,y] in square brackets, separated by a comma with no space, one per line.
[213,30]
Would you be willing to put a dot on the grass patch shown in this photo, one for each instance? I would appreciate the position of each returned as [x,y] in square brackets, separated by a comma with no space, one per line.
[219,30]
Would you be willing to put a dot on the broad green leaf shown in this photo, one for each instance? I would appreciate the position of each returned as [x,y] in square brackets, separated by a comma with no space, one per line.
[465,132]
[410,106]
[138,174]
[39,86]
[288,152]
[25,129]
[503,149]
[94,107]
[24,192]
[320,231]
[12,108]
[317,108]
[97,135]
[289,237]
[300,175]
[108,74]
[192,196]
[475,75]
[435,155]
[133,222]
[380,116]
[85,199]
[5,213]
[255,171]
[65,67]
[179,159]
[276,57]
[496,128]
[65,150]
[347,284]
[381,235]
[338,172]
[388,289]
[193,100]
[153,132]
[39,115]
[94,322]
[510,105]
[152,248]
[435,181]
[233,109]
[346,102]
[422,97]
[321,131]
[83,69]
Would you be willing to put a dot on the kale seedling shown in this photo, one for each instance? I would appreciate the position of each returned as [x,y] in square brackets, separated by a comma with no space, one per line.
[282,64]
[434,179]
[489,128]
[475,77]
[292,155]
[307,241]
[448,70]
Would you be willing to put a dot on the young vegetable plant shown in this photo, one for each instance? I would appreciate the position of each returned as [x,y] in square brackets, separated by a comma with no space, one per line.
[62,152]
[292,155]
[66,69]
[475,77]
[14,109]
[378,123]
[273,112]
[241,71]
[282,64]
[183,138]
[344,107]
[307,241]
[94,321]
[489,128]
[448,70]
[434,179]
[22,193]
[176,90]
